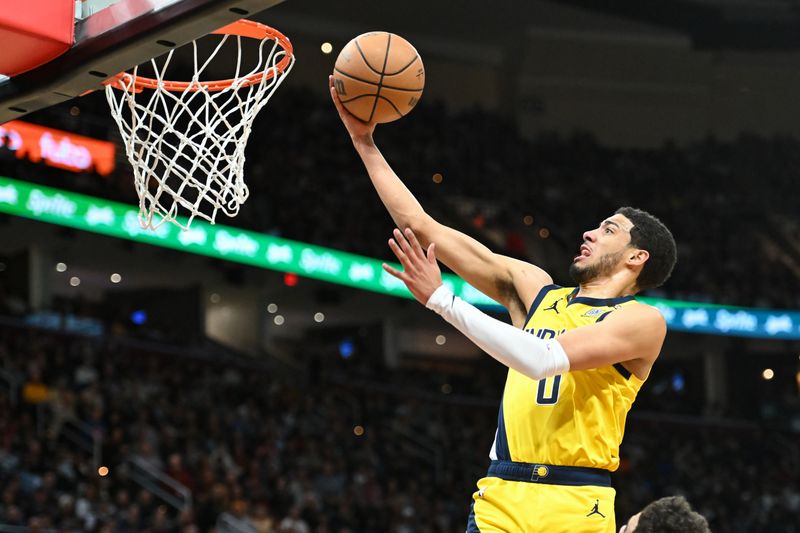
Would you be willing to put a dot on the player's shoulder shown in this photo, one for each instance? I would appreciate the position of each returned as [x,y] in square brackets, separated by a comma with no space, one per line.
[640,314]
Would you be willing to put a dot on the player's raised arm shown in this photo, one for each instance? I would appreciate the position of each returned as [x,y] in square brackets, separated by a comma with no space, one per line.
[510,282]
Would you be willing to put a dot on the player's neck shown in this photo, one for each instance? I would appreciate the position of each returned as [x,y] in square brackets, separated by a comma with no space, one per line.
[612,286]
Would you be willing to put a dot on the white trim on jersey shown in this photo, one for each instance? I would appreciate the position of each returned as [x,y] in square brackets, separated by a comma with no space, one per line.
[493,451]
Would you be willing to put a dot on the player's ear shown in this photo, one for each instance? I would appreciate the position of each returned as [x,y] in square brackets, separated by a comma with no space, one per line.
[638,256]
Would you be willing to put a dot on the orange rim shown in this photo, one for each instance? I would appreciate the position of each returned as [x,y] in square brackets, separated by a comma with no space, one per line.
[243,28]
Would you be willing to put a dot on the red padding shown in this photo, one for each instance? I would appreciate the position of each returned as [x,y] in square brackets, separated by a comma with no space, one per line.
[34,32]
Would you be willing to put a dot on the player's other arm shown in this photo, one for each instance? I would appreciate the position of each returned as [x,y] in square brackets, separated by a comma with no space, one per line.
[631,335]
[503,279]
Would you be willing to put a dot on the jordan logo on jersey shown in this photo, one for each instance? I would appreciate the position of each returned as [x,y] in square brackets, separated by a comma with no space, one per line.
[596,509]
[553,307]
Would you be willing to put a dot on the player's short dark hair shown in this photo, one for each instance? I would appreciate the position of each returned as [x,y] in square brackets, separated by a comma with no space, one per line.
[672,514]
[650,234]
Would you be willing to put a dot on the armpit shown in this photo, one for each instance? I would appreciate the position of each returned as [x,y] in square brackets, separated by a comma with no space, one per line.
[511,297]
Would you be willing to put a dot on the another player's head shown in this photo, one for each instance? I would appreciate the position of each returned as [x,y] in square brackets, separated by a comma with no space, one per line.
[631,243]
[672,514]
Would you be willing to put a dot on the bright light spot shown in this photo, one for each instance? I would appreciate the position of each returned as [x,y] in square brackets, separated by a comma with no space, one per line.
[358,431]
[447,388]
[74,281]
[103,471]
[527,220]
[61,267]
[319,317]
[272,308]
[279,320]
[441,339]
[437,178]
[139,317]
[346,349]
[326,48]
[544,233]
[115,278]
[768,374]
[678,382]
[214,298]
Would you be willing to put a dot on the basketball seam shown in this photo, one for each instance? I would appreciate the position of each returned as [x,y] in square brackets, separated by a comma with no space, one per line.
[359,96]
[404,68]
[380,82]
[376,98]
[390,103]
[362,80]
[368,82]
[360,51]
[402,89]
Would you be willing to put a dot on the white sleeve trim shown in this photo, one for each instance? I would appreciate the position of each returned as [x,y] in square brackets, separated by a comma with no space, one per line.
[515,348]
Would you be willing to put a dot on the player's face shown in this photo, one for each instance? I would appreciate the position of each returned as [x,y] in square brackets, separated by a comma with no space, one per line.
[630,527]
[602,250]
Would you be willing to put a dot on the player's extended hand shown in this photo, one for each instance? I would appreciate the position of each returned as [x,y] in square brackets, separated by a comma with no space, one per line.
[357,128]
[421,272]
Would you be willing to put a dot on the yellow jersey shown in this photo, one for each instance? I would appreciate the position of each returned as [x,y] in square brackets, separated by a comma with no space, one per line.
[573,419]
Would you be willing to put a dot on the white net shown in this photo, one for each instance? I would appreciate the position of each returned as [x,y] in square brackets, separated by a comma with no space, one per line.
[186,141]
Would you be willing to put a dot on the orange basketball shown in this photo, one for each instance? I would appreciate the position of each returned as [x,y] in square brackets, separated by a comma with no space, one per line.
[379,77]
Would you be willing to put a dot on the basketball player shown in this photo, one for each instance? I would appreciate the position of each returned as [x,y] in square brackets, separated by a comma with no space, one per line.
[671,514]
[565,401]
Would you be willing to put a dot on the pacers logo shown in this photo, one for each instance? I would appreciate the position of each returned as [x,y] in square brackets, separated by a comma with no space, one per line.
[539,471]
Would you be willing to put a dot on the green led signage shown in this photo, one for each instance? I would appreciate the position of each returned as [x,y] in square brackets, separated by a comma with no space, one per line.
[265,251]
[224,242]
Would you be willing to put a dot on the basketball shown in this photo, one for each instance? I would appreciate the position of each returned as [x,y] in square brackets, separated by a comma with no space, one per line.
[379,77]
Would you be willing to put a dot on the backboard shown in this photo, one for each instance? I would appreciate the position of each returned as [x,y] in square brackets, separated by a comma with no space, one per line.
[109,36]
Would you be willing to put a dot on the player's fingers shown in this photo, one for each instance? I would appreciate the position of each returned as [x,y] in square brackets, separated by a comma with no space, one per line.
[401,240]
[394,272]
[399,253]
[335,96]
[415,245]
[432,253]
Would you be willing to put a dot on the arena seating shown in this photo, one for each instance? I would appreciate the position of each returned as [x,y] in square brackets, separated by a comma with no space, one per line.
[356,447]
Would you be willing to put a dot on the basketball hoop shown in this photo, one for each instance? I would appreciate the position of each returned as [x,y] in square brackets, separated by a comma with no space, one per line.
[186,140]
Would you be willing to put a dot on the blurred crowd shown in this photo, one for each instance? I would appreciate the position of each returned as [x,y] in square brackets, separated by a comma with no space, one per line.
[726,202]
[355,447]
[739,478]
[722,200]
[279,456]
